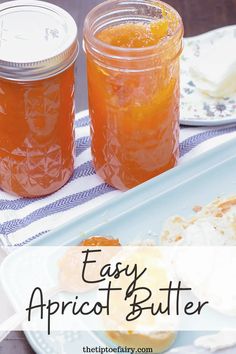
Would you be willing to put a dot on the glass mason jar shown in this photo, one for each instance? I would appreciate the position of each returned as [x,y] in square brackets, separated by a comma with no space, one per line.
[133,94]
[38,48]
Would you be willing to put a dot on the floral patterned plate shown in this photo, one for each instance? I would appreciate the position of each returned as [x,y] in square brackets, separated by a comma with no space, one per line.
[196,108]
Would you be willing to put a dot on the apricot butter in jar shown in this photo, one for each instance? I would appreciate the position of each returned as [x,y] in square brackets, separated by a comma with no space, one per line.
[38,49]
[133,49]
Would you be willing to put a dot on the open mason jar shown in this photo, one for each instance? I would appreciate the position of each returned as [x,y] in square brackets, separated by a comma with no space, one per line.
[38,48]
[133,49]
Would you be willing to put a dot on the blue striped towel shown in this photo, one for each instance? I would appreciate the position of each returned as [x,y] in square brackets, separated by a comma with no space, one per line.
[23,220]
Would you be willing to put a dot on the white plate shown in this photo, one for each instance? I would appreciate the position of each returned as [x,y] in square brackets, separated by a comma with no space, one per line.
[122,217]
[196,108]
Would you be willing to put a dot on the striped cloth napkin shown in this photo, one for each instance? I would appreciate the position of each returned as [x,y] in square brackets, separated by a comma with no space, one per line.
[24,220]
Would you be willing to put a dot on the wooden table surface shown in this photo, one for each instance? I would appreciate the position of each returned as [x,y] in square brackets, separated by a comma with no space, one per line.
[199,16]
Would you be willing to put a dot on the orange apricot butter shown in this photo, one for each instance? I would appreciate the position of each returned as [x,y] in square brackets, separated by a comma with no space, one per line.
[36,97]
[133,88]
[100,241]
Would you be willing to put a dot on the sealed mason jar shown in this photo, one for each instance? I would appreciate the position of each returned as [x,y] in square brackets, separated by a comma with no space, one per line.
[133,49]
[38,48]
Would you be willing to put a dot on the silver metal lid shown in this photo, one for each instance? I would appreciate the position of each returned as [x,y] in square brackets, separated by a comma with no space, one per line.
[37,40]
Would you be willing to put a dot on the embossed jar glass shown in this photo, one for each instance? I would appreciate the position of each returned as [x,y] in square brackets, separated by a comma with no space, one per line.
[133,95]
[38,48]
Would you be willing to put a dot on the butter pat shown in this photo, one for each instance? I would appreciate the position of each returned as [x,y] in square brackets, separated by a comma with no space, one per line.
[214,72]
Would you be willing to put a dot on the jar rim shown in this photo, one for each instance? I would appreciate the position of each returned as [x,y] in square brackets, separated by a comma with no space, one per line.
[124,52]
